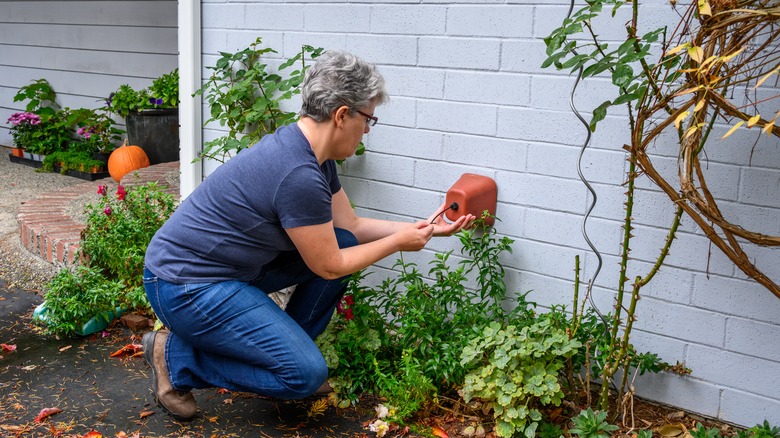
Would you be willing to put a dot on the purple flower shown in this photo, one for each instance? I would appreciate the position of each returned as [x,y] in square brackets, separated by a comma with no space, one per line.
[154,101]
[102,190]
[110,99]
[107,210]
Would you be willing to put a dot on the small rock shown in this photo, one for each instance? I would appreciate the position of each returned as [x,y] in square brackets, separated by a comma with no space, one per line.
[676,415]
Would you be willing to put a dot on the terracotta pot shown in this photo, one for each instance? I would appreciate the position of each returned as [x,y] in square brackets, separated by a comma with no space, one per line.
[17,152]
[474,194]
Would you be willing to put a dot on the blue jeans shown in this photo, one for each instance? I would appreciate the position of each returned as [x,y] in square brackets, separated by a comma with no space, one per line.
[232,335]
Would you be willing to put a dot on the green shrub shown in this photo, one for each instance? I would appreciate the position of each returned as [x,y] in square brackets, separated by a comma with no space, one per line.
[73,298]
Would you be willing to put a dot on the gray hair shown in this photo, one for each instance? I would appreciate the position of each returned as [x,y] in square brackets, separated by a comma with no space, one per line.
[340,78]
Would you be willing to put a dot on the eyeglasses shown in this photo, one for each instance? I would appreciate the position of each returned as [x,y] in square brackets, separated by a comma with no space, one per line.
[370,120]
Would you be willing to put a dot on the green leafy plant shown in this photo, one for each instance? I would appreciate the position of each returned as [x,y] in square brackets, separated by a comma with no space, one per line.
[516,372]
[644,433]
[96,131]
[703,432]
[409,389]
[71,160]
[74,297]
[764,430]
[549,430]
[163,93]
[589,424]
[244,96]
[40,96]
[118,229]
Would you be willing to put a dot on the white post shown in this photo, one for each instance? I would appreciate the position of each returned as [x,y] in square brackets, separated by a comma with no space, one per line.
[190,109]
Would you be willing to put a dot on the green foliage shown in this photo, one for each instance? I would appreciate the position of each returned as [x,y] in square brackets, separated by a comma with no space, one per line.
[163,93]
[120,226]
[408,389]
[96,131]
[432,317]
[73,298]
[549,430]
[589,424]
[644,433]
[567,50]
[40,96]
[703,432]
[764,430]
[516,371]
[245,97]
[67,160]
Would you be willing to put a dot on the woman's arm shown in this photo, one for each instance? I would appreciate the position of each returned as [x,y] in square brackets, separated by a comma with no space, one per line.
[369,230]
[319,248]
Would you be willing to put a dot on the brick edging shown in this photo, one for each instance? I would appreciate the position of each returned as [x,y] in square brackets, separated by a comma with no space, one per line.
[48,231]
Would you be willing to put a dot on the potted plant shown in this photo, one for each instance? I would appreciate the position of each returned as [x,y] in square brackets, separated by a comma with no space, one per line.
[151,116]
[25,130]
[98,135]
[72,160]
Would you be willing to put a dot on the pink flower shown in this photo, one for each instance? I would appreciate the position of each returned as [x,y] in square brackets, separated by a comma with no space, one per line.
[102,190]
[107,210]
[120,193]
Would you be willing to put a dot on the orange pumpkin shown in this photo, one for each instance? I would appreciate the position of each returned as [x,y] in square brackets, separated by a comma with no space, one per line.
[126,159]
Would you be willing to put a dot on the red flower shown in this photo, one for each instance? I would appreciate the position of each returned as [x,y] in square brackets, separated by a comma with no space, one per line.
[120,193]
[344,307]
[107,210]
[102,190]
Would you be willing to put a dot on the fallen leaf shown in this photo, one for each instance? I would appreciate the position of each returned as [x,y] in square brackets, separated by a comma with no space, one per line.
[29,367]
[45,412]
[145,414]
[93,434]
[213,419]
[223,391]
[228,401]
[131,349]
[672,430]
[439,432]
[8,348]
[67,347]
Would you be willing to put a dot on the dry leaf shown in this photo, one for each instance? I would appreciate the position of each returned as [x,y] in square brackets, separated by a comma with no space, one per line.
[228,401]
[439,432]
[733,128]
[93,434]
[213,419]
[753,120]
[67,347]
[9,348]
[145,414]
[672,430]
[45,412]
[131,349]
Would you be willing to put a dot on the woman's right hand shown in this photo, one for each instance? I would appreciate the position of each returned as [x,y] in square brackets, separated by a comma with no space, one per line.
[415,236]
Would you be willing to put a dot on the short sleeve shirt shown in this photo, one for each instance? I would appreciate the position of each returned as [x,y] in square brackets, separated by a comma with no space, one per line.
[234,222]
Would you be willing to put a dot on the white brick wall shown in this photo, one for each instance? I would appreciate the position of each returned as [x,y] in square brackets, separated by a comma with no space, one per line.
[468,95]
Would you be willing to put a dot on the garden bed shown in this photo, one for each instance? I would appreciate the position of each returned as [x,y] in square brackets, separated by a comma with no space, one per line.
[70,172]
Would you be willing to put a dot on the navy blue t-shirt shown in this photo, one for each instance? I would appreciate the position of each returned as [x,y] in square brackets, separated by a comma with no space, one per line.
[233,223]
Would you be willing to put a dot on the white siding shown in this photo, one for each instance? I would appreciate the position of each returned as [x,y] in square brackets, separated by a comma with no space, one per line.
[85,49]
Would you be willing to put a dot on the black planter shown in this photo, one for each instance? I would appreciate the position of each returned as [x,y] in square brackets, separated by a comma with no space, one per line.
[101,156]
[156,131]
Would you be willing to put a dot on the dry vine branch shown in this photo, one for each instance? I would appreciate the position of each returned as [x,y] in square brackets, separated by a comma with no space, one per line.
[733,47]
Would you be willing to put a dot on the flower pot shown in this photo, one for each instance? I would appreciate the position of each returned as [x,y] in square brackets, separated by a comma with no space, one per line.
[156,131]
[101,156]
[28,155]
[17,152]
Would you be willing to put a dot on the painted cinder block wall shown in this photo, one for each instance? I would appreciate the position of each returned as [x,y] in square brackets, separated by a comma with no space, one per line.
[85,49]
[468,95]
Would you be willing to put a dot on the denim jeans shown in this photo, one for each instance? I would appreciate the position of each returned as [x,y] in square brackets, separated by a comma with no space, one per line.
[232,335]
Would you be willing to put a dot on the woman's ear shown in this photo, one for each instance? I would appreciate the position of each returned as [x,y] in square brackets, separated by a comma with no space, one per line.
[340,115]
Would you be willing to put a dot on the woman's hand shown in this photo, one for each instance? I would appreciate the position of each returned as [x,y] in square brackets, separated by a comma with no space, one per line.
[442,228]
[415,236]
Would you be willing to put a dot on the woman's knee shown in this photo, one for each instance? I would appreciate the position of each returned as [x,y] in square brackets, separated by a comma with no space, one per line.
[308,377]
[345,238]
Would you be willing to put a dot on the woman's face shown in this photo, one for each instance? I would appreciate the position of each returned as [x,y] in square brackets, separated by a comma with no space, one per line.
[355,125]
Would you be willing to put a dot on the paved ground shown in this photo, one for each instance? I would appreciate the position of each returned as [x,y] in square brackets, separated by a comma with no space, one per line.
[112,395]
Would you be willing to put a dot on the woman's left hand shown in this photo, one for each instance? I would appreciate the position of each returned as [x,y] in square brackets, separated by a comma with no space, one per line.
[442,228]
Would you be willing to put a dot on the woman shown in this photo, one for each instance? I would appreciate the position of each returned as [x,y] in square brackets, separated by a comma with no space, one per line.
[273,216]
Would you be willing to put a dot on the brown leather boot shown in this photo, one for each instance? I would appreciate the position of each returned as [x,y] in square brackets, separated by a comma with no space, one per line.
[180,405]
